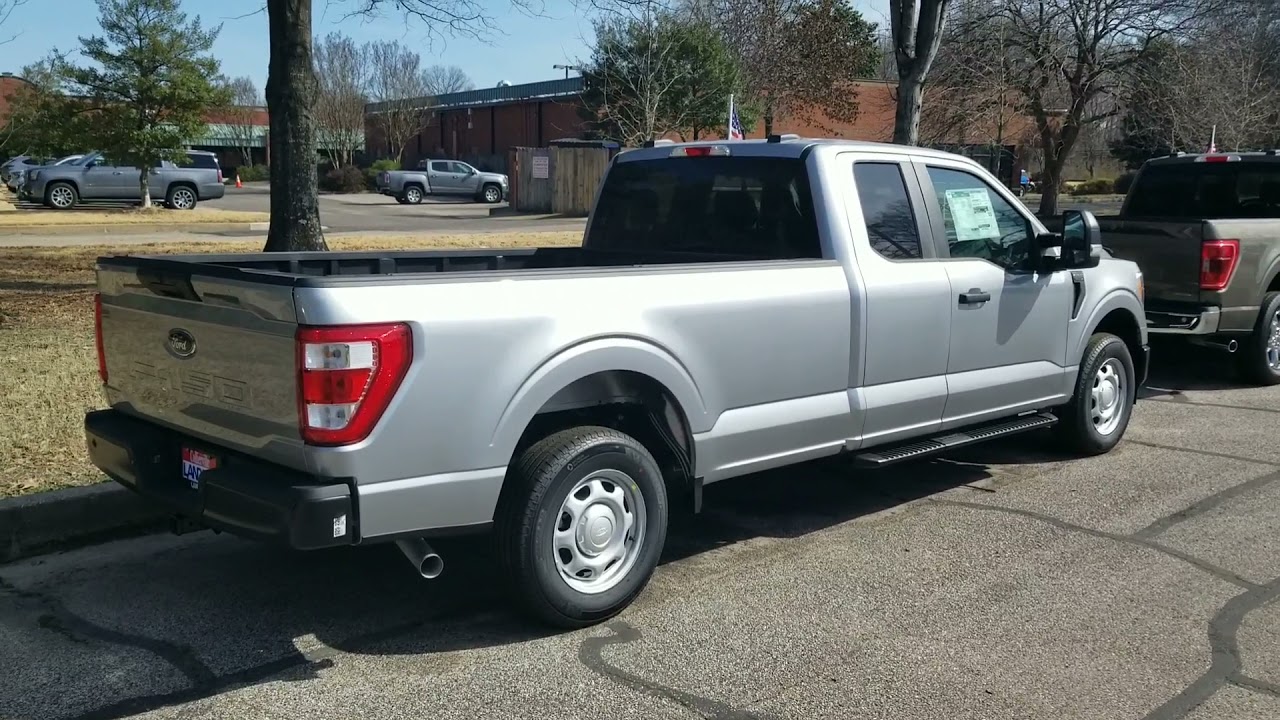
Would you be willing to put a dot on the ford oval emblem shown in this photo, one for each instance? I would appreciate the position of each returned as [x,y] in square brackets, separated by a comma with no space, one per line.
[181,343]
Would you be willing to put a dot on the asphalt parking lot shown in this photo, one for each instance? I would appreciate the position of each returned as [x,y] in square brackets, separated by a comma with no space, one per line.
[1001,583]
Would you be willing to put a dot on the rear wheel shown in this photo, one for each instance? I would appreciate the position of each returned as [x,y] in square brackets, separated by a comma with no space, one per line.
[181,197]
[61,196]
[1096,417]
[413,195]
[581,525]
[1259,355]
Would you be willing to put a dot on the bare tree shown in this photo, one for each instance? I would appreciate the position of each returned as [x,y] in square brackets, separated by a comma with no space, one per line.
[445,79]
[917,27]
[970,97]
[292,90]
[343,74]
[1073,56]
[397,84]
[246,103]
[6,9]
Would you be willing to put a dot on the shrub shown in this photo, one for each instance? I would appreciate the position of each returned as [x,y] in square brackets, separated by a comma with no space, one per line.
[1099,186]
[371,174]
[253,173]
[1123,183]
[346,179]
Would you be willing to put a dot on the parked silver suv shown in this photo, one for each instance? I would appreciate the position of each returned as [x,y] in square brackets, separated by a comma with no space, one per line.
[95,177]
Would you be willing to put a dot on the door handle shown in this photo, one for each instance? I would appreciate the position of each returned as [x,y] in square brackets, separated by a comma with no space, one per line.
[974,297]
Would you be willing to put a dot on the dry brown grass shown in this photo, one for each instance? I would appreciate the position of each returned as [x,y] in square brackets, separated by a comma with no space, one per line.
[48,373]
[13,218]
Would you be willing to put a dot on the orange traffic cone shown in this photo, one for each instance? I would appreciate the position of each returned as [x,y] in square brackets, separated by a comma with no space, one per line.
[238,183]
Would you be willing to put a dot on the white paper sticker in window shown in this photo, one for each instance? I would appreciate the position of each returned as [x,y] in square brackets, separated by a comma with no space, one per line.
[972,214]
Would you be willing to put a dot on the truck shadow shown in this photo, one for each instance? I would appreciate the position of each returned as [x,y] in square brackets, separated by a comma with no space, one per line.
[1179,367]
[227,613]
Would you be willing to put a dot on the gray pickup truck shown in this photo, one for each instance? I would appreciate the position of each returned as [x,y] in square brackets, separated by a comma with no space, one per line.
[442,177]
[94,177]
[1205,229]
[734,307]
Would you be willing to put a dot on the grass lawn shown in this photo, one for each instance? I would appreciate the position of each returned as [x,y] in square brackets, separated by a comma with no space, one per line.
[48,365]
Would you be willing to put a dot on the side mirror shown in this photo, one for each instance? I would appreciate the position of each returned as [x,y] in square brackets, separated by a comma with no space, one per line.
[1081,239]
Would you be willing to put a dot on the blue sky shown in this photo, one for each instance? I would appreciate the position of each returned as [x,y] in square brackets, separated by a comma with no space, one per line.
[523,49]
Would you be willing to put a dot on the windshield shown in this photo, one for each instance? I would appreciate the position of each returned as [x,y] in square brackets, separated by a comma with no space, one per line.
[70,160]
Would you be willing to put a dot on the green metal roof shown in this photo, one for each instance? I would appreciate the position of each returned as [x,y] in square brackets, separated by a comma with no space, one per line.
[224,135]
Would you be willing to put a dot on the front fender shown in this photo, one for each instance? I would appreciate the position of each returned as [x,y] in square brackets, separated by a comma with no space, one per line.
[598,355]
[1116,299]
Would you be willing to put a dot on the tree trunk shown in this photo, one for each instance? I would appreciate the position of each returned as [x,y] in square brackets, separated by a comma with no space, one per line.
[768,120]
[144,184]
[291,91]
[906,121]
[1051,182]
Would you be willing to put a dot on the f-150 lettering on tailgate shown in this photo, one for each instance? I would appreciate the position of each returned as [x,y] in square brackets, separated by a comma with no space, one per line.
[160,384]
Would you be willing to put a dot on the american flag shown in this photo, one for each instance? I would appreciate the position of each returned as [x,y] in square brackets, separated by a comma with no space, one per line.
[735,125]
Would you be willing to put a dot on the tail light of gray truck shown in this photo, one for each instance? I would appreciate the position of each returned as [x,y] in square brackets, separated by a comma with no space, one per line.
[1218,259]
[347,376]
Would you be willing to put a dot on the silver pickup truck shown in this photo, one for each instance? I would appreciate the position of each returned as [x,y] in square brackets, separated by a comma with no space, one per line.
[442,177]
[734,307]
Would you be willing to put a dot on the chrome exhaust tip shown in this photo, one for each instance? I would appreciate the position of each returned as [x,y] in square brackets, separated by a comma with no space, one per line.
[1229,346]
[425,560]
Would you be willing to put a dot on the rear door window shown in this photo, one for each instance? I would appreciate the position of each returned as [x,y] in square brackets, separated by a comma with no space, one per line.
[753,207]
[886,210]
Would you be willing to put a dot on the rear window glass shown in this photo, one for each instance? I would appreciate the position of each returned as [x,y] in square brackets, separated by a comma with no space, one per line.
[754,207]
[208,162]
[1207,190]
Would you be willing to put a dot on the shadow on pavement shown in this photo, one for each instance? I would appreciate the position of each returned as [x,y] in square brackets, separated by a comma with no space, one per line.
[1177,367]
[225,612]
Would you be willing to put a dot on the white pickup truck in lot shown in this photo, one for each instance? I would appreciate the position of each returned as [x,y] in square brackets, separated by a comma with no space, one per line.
[734,306]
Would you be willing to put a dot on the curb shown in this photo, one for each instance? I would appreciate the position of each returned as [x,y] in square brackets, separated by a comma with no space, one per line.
[126,229]
[64,519]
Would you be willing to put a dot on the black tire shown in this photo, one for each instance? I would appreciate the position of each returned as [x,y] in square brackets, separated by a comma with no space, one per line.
[490,190]
[1252,356]
[531,509]
[1077,431]
[402,201]
[56,191]
[412,195]
[181,197]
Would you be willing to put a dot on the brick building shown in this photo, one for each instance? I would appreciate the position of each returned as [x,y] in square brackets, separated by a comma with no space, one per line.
[480,126]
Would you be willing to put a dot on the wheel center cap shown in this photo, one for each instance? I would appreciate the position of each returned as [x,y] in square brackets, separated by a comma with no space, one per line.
[1108,395]
[595,530]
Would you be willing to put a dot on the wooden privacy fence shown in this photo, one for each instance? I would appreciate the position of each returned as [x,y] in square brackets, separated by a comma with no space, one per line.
[557,179]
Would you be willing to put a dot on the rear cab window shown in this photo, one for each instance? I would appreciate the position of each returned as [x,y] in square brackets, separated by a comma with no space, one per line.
[1225,190]
[753,207]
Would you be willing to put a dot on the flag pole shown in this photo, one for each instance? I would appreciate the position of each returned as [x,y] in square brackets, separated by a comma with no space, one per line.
[728,129]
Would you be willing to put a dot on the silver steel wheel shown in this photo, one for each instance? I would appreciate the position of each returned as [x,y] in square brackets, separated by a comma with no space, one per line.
[62,197]
[413,195]
[183,199]
[492,194]
[599,531]
[1109,397]
[1273,342]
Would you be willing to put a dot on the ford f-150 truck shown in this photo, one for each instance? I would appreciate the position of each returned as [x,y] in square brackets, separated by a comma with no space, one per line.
[442,177]
[734,307]
[1205,230]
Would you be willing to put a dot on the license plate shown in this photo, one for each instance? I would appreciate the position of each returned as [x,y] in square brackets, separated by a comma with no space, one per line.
[194,463]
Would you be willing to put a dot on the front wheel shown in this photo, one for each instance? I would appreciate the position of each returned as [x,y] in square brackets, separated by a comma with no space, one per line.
[1259,355]
[491,194]
[581,525]
[61,196]
[1096,417]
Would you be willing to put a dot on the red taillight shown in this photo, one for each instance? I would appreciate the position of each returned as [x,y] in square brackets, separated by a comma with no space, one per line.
[97,337]
[219,176]
[1217,262]
[347,375]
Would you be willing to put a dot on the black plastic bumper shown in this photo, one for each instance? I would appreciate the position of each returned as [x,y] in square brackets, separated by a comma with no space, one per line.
[242,496]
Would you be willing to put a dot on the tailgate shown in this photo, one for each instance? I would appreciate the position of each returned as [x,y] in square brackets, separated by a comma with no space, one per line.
[1167,252]
[210,356]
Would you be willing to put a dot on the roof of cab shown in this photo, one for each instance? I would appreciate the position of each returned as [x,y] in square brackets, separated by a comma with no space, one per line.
[783,146]
[1253,156]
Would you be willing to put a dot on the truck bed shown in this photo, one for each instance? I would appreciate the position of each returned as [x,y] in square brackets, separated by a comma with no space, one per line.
[165,274]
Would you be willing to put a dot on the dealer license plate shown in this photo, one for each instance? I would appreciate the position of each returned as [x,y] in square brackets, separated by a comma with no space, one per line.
[194,463]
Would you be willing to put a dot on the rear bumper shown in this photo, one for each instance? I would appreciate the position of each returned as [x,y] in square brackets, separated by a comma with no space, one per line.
[1208,320]
[212,191]
[242,496]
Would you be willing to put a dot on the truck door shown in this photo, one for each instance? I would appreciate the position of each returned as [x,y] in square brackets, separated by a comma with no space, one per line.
[901,298]
[440,177]
[1009,318]
[468,178]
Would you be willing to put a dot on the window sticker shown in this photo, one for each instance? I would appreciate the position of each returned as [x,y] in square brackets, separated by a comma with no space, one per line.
[972,214]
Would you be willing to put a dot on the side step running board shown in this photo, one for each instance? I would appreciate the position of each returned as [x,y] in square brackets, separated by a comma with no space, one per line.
[915,449]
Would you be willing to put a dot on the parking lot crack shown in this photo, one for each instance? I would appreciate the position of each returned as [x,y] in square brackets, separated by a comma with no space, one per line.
[590,654]
[1205,505]
[1256,685]
[1206,453]
[1219,572]
[58,619]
